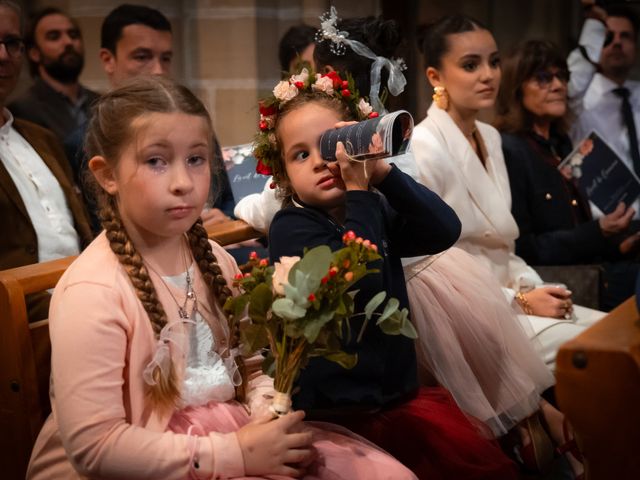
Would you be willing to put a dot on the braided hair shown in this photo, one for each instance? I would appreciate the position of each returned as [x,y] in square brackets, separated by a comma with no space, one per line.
[108,133]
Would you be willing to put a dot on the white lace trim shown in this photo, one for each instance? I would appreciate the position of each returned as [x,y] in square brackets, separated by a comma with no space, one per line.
[207,376]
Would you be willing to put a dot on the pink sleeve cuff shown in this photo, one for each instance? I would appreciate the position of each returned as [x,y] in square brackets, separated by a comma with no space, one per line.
[224,458]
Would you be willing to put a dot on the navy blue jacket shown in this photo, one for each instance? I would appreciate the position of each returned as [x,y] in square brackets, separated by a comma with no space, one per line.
[409,220]
[553,215]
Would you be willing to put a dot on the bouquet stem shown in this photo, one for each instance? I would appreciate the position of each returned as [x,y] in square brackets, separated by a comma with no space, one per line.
[289,359]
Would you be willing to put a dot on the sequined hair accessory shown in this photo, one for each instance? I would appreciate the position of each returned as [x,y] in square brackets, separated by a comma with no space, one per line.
[340,41]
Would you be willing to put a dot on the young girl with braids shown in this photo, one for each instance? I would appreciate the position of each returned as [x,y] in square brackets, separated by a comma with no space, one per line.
[380,397]
[143,379]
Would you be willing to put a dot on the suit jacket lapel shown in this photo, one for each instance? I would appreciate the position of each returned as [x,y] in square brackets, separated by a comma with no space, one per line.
[485,186]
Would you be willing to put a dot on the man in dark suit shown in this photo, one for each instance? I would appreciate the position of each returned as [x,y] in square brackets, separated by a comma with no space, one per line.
[42,213]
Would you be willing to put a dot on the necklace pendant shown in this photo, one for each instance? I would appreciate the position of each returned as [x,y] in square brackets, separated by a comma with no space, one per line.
[183,313]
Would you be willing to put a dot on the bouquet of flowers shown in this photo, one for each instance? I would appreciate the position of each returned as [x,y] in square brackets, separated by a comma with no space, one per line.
[300,308]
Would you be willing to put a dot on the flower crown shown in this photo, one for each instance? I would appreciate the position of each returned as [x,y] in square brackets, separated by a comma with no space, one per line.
[265,146]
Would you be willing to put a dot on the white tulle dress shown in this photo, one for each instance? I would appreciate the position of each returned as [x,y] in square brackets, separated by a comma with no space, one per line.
[472,341]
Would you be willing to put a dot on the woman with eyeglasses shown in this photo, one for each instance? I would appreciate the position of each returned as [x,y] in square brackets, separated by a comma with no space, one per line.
[552,212]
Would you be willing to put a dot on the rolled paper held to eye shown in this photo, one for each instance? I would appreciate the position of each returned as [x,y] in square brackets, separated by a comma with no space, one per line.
[379,137]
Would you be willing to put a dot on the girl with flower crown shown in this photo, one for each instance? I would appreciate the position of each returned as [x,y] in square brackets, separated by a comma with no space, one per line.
[380,397]
[143,369]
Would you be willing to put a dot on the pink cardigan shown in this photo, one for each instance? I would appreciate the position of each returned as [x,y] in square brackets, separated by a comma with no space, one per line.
[102,425]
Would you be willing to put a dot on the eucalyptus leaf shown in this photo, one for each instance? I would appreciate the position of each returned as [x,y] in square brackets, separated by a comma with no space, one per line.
[307,273]
[313,325]
[408,330]
[287,309]
[373,304]
[390,308]
[398,323]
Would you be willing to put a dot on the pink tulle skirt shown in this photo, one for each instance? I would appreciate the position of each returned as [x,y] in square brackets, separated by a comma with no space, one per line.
[341,454]
[471,340]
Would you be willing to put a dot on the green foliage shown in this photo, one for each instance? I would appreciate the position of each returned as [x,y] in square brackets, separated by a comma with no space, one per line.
[311,319]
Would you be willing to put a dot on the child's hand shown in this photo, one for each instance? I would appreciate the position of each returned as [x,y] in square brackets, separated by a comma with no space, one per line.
[353,173]
[357,175]
[270,448]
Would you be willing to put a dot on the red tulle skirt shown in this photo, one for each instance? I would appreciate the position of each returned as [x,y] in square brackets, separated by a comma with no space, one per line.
[434,438]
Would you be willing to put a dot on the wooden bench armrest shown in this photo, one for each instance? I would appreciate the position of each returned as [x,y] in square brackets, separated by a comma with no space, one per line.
[598,389]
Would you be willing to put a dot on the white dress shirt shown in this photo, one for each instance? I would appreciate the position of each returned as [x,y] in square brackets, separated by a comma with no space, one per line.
[593,102]
[41,194]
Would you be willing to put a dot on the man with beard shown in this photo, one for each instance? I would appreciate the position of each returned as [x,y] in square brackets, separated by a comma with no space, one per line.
[56,100]
[43,217]
[602,97]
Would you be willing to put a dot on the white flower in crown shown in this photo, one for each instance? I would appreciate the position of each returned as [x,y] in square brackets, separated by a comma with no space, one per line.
[364,108]
[272,139]
[284,91]
[323,84]
[302,77]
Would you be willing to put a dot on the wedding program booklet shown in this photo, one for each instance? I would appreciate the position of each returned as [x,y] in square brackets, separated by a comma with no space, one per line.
[241,170]
[601,173]
[379,137]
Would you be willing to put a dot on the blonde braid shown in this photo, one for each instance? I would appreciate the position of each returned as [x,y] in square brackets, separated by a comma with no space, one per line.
[208,263]
[165,392]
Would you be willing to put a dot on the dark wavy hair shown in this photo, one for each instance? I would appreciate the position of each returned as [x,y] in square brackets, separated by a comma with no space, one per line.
[519,66]
[381,36]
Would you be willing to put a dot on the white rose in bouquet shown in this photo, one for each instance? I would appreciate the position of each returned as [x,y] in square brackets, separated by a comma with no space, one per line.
[281,273]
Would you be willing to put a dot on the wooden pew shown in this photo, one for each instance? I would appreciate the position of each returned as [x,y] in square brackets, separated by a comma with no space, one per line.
[25,352]
[598,388]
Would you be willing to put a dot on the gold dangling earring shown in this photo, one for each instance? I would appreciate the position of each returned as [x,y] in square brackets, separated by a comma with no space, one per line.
[441,98]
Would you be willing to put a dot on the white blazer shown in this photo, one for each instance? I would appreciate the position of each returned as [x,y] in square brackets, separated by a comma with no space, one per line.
[448,165]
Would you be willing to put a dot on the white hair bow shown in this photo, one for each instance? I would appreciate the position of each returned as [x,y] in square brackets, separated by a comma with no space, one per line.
[339,41]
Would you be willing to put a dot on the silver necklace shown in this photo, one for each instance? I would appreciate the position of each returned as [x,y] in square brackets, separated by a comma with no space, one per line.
[190,293]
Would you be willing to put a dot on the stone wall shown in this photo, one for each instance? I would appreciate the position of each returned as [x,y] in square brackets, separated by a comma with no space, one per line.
[226,50]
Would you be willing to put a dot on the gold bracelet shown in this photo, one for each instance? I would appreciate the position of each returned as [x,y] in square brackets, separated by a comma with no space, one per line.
[524,303]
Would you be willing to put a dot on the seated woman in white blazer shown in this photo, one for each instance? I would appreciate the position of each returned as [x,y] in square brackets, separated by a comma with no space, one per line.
[461,160]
